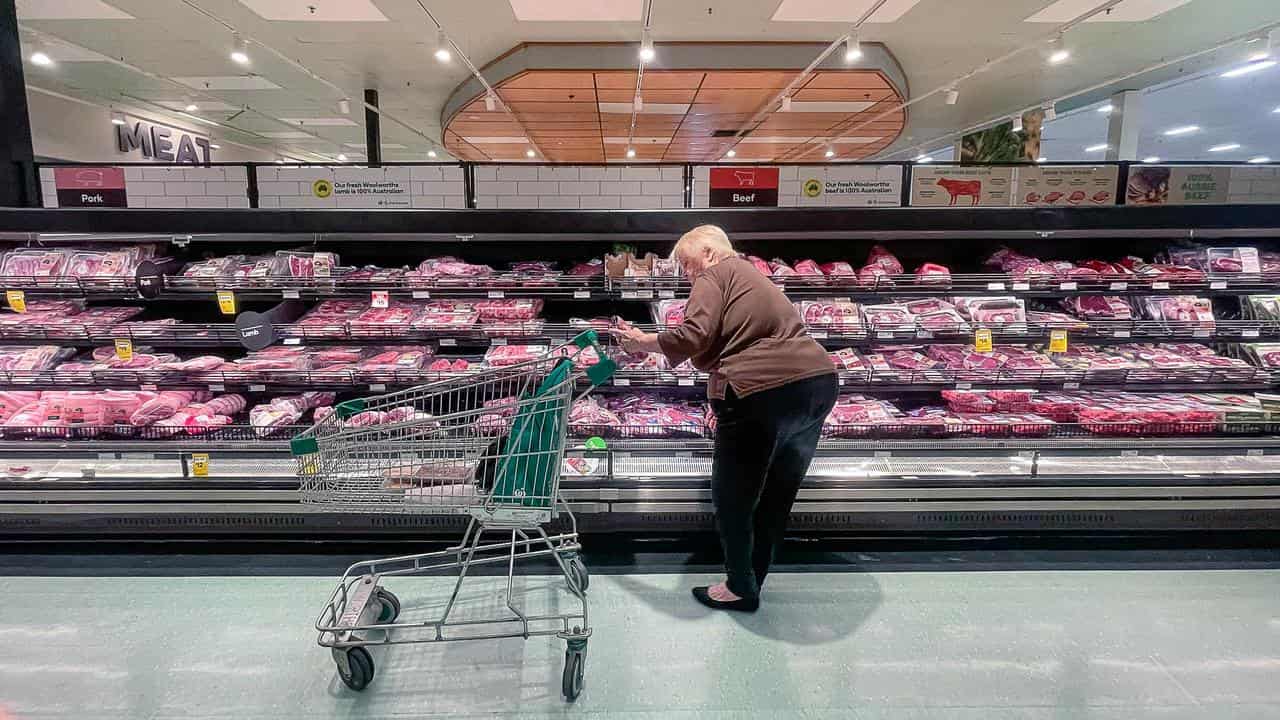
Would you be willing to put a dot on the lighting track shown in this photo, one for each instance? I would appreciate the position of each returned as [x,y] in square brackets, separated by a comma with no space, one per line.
[636,99]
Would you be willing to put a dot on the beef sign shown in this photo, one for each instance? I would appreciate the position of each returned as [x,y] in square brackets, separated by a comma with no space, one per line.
[744,186]
[162,143]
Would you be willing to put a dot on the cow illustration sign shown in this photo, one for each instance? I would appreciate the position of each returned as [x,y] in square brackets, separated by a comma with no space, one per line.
[960,186]
[744,186]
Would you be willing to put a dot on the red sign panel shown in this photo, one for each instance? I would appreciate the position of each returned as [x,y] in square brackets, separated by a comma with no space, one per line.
[90,186]
[744,186]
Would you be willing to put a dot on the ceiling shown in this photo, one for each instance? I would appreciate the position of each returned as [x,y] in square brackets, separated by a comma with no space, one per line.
[387,45]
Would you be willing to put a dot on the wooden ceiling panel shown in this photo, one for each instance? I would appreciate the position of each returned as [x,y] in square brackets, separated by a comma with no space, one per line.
[571,129]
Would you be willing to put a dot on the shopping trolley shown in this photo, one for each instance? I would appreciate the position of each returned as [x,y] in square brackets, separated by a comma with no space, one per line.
[488,446]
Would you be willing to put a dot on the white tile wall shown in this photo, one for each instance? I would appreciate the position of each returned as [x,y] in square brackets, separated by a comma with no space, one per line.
[1254,185]
[436,186]
[169,187]
[790,183]
[572,186]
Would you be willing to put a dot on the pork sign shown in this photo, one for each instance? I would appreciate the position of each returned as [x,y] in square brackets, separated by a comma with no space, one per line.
[164,144]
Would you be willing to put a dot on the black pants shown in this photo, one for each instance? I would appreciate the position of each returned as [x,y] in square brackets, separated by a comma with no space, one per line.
[764,444]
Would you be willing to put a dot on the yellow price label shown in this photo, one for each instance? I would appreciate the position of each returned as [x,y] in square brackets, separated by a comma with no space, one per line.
[124,349]
[227,302]
[17,300]
[200,464]
[982,340]
[1057,341]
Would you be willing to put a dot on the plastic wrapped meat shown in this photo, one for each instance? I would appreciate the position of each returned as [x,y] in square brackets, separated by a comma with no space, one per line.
[537,267]
[162,406]
[396,313]
[969,401]
[668,312]
[27,359]
[663,419]
[944,321]
[199,364]
[848,359]
[836,315]
[305,264]
[1267,355]
[1098,307]
[808,268]
[887,316]
[269,418]
[1181,309]
[594,266]
[508,310]
[909,360]
[503,355]
[21,263]
[449,267]
[839,268]
[996,312]
[874,276]
[932,273]
[588,417]
[779,268]
[1055,320]
[646,362]
[885,259]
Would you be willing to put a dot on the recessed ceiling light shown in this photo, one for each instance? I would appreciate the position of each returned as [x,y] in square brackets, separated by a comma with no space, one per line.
[1106,108]
[646,48]
[40,57]
[191,107]
[431,153]
[342,157]
[279,161]
[852,46]
[117,118]
[631,152]
[1059,56]
[1096,148]
[1184,130]
[731,153]
[1151,159]
[1225,147]
[952,97]
[240,50]
[529,153]
[831,153]
[442,47]
[1258,160]
[215,146]
[1041,159]
[1252,67]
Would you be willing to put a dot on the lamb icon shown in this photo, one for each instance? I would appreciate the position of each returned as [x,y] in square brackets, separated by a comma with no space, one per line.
[745,178]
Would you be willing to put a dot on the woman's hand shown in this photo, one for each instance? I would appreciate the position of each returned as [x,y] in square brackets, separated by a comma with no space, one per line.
[635,341]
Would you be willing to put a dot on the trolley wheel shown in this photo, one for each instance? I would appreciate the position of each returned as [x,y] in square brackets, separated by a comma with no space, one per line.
[578,571]
[575,665]
[390,609]
[359,672]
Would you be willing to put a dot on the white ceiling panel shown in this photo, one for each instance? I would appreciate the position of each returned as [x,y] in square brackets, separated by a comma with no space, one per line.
[1127,11]
[577,10]
[62,51]
[322,121]
[624,108]
[840,10]
[316,10]
[227,82]
[69,10]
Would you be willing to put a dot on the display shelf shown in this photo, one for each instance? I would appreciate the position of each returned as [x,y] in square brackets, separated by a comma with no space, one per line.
[549,285]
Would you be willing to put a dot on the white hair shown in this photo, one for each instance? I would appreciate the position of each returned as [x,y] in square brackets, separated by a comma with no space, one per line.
[704,237]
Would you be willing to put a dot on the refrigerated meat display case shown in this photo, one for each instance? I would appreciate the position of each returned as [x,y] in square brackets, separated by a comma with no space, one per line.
[1038,370]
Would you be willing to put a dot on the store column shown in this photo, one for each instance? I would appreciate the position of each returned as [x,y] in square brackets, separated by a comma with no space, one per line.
[372,129]
[17,172]
[1125,125]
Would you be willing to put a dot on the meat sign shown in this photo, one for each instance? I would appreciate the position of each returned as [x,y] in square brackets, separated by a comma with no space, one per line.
[744,186]
[960,186]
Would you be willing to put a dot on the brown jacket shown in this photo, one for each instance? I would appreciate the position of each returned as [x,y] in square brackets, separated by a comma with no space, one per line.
[739,327]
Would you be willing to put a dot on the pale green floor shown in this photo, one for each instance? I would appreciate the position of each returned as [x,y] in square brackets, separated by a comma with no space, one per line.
[975,645]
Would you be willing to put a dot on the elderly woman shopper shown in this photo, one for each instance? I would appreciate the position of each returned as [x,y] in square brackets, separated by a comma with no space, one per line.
[771,386]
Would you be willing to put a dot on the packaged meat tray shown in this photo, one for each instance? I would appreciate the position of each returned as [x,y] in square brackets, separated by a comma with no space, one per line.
[504,355]
[668,313]
[842,316]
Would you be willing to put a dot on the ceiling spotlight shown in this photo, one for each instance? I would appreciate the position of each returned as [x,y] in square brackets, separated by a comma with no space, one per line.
[117,118]
[631,152]
[1059,56]
[731,153]
[852,46]
[279,161]
[191,107]
[342,157]
[646,48]
[530,153]
[442,47]
[1050,112]
[239,50]
[1107,108]
[1225,147]
[490,102]
[1259,160]
[1252,67]
[1151,159]
[953,96]
[1017,122]
[1183,130]
[344,106]
[431,153]
[1096,148]
[830,153]
[1041,159]
[40,57]
[786,103]
[637,103]
[215,146]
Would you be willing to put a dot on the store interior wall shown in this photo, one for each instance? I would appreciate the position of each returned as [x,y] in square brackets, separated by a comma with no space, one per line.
[65,129]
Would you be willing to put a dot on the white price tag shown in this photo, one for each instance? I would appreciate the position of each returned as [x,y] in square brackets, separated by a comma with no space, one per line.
[1122,333]
[685,381]
[498,341]
[1159,285]
[1070,386]
[628,294]
[377,387]
[622,382]
[995,286]
[293,341]
[257,388]
[1128,453]
[666,293]
[1119,286]
[421,294]
[217,388]
[1068,285]
[495,294]
[380,299]
[1255,452]
[1022,286]
[924,334]
[148,386]
[818,334]
[1249,332]
[289,294]
[884,334]
[883,453]
[1200,333]
[644,294]
[840,380]
[964,385]
[1218,285]
[448,342]
[581,294]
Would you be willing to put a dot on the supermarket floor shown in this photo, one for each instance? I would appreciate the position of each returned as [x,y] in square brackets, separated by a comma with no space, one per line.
[876,642]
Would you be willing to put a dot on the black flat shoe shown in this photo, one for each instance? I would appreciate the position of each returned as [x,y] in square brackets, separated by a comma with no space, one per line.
[741,604]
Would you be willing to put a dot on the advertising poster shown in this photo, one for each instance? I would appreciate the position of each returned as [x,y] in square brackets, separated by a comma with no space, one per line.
[960,186]
[1177,185]
[386,187]
[744,186]
[845,186]
[90,187]
[1074,185]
